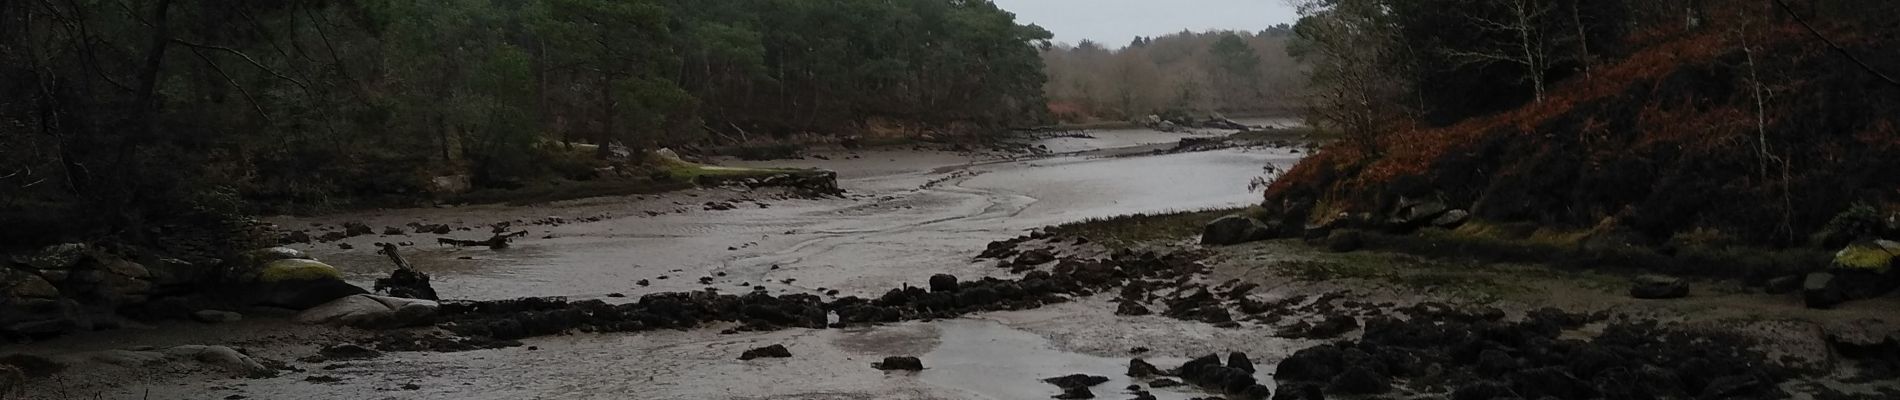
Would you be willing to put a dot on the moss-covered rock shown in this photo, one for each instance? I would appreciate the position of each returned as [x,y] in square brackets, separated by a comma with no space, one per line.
[1868,255]
[293,283]
[61,256]
[297,270]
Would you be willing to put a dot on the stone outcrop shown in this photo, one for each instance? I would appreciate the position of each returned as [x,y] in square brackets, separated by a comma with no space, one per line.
[76,287]
[1234,229]
[372,312]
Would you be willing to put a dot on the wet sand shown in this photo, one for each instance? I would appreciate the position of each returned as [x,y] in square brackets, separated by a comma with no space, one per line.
[911,214]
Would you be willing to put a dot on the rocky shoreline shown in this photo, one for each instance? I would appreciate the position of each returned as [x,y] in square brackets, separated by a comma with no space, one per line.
[1344,324]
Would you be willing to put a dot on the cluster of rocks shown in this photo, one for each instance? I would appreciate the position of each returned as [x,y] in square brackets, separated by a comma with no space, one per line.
[68,287]
[1184,123]
[482,323]
[1438,351]
[812,183]
[76,287]
[1076,386]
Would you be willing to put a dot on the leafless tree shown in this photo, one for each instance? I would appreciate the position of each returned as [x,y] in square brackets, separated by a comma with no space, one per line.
[1524,40]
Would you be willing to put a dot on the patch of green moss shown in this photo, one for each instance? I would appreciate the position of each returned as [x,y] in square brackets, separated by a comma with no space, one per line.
[297,270]
[1865,256]
[685,171]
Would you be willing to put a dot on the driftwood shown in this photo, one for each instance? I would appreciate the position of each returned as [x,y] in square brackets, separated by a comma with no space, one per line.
[405,281]
[499,241]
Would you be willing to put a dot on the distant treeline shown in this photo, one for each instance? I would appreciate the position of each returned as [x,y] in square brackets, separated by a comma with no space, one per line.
[112,106]
[1221,71]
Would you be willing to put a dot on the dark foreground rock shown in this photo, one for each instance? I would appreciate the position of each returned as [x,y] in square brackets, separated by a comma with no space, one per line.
[1209,373]
[1234,229]
[1437,352]
[1076,380]
[773,351]
[896,363]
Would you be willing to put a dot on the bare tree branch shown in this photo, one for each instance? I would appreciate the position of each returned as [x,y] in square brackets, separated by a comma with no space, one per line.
[246,57]
[234,84]
[1830,43]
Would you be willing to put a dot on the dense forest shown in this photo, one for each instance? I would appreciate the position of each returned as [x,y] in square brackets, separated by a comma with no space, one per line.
[1220,71]
[1663,123]
[116,112]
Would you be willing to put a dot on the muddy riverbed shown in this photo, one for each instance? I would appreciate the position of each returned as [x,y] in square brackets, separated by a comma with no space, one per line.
[909,215]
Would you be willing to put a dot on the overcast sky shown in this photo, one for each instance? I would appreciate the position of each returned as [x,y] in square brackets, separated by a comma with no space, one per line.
[1115,22]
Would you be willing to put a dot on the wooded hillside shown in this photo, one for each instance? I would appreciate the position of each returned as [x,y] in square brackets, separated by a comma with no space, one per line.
[113,112]
[1650,121]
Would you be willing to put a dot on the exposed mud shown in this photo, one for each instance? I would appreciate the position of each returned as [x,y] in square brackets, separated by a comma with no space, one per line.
[908,216]
[670,297]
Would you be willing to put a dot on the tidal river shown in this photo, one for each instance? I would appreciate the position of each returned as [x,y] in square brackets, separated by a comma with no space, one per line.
[910,215]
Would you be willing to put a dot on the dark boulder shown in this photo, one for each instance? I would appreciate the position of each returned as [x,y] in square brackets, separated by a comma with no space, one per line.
[1344,240]
[1551,382]
[1132,308]
[1822,290]
[1360,380]
[1299,391]
[943,283]
[896,363]
[1035,257]
[1256,392]
[1076,380]
[1077,392]
[773,351]
[1234,229]
[1141,368]
[1312,364]
[1239,360]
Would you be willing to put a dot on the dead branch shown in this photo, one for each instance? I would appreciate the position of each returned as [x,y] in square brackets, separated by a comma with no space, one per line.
[1837,47]
[246,57]
[499,241]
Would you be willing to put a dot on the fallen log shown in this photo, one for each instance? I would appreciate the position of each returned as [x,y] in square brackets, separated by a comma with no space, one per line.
[499,241]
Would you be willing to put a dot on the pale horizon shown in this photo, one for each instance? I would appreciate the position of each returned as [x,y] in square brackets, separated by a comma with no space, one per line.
[1113,23]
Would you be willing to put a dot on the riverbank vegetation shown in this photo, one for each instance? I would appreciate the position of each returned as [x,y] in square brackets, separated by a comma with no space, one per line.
[1236,73]
[119,117]
[1657,122]
[1729,139]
